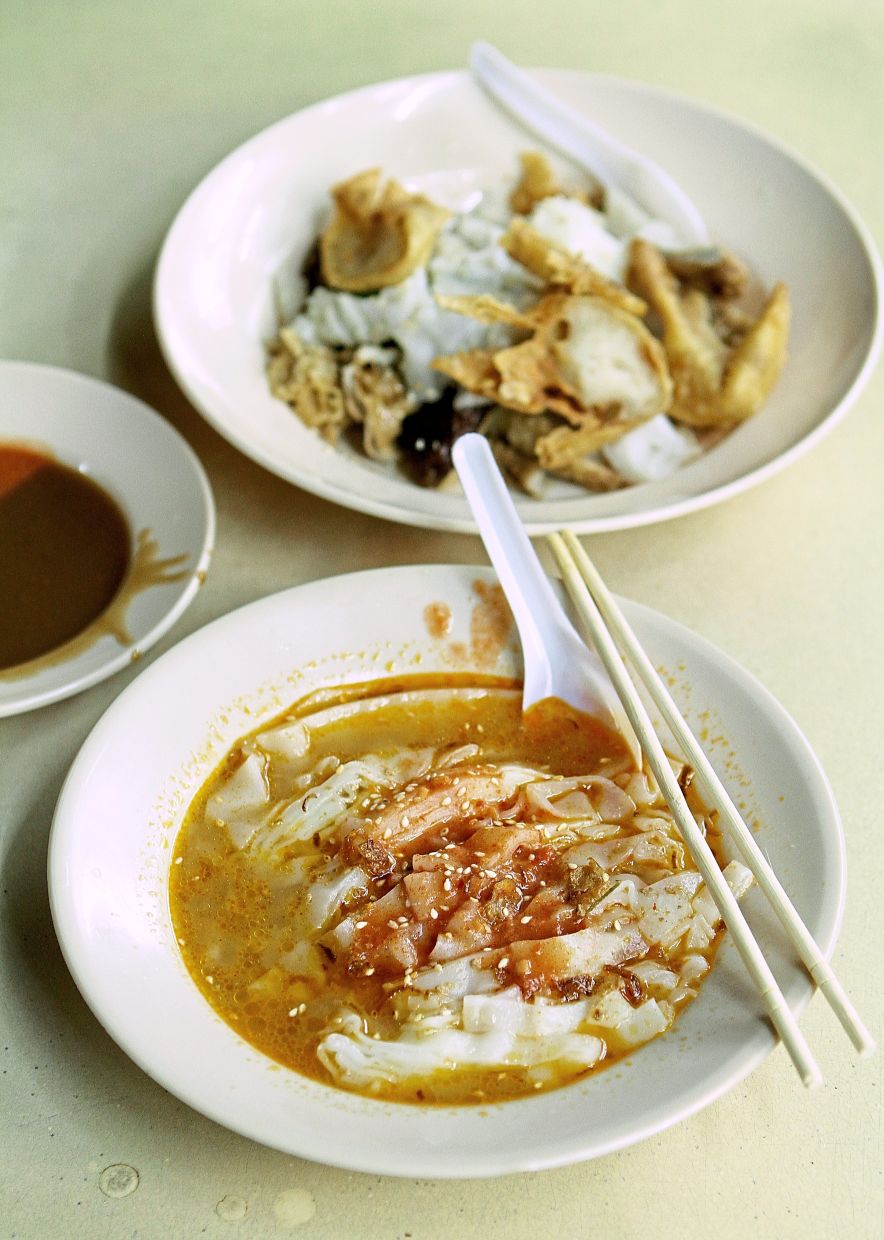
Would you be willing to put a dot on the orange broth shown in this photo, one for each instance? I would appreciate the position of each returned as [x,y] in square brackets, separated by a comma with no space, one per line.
[233,911]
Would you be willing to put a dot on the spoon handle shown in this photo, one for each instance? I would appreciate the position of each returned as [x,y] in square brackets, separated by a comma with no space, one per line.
[538,613]
[635,177]
[558,663]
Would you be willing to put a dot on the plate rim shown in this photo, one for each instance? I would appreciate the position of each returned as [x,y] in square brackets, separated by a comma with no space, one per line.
[739,1065]
[66,685]
[360,500]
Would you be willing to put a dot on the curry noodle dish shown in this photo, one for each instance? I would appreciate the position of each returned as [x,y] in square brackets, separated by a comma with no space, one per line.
[411,890]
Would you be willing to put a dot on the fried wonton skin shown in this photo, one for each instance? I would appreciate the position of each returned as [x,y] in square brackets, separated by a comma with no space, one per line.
[566,445]
[721,374]
[378,234]
[712,270]
[559,268]
[539,181]
[586,359]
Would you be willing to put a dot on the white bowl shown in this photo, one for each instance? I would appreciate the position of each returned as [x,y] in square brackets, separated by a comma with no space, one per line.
[123,802]
[155,478]
[247,226]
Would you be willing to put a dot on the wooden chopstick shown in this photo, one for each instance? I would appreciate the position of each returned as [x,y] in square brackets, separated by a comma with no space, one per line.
[715,793]
[758,968]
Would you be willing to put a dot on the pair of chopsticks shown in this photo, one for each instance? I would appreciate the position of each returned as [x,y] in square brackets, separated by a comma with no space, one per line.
[605,623]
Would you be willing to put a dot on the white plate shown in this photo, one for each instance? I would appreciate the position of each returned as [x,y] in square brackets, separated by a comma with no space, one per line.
[155,478]
[122,805]
[252,219]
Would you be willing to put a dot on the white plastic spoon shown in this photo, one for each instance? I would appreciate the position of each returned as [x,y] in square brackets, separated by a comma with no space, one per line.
[557,663]
[617,166]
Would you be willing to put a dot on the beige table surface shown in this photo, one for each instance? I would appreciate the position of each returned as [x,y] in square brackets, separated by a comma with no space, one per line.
[110,114]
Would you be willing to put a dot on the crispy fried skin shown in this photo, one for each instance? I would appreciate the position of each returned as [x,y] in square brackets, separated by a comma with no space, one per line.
[716,383]
[561,269]
[539,181]
[306,376]
[378,235]
[537,375]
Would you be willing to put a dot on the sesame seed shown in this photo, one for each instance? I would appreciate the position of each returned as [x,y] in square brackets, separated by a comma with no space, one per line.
[388,832]
[503,962]
[393,924]
[368,972]
[479,854]
[446,800]
[524,920]
[210,979]
[405,820]
[446,886]
[360,925]
[617,923]
[178,860]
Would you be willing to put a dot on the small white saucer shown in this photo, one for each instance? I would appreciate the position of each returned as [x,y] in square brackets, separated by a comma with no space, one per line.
[159,484]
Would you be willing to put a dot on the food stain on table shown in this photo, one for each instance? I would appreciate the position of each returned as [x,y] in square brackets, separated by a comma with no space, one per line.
[118,1180]
[294,1206]
[67,570]
[232,1208]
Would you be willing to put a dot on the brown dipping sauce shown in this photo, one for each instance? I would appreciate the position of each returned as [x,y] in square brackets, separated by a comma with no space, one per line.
[64,551]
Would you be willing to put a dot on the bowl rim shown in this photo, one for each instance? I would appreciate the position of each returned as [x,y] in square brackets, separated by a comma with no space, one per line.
[362,501]
[496,1162]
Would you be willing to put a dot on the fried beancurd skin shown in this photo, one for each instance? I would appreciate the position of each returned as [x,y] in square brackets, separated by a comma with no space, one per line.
[563,270]
[307,377]
[557,368]
[379,233]
[539,180]
[718,382]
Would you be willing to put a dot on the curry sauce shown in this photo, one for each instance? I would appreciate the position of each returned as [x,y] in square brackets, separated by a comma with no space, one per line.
[64,552]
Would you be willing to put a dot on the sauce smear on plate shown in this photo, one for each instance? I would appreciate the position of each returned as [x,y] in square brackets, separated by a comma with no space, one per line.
[64,551]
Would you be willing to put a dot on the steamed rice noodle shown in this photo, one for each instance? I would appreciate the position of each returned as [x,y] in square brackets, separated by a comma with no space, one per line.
[424,896]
